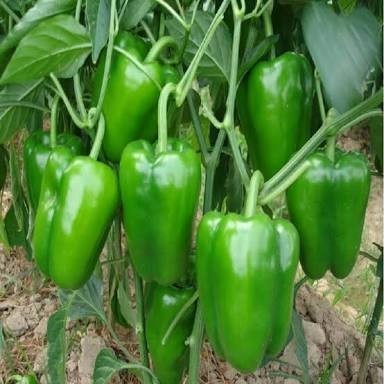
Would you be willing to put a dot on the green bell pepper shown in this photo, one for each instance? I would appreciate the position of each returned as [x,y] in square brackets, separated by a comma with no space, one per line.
[162,304]
[275,106]
[37,149]
[327,205]
[79,197]
[245,269]
[160,193]
[132,94]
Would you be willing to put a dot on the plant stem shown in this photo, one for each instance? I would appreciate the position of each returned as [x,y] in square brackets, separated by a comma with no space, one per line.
[355,115]
[185,83]
[173,13]
[268,26]
[179,315]
[10,12]
[98,139]
[162,116]
[75,118]
[53,128]
[286,183]
[195,342]
[107,65]
[372,330]
[140,327]
[229,118]
[79,96]
[331,144]
[148,32]
[127,354]
[320,96]
[198,131]
[253,192]
[159,46]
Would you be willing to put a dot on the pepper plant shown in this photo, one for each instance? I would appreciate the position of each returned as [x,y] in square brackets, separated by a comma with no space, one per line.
[164,111]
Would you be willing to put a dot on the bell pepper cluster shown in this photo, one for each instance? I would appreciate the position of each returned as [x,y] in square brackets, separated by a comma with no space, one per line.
[245,263]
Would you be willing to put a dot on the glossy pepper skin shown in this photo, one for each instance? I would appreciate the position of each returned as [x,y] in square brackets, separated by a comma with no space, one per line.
[162,304]
[130,103]
[37,149]
[327,205]
[78,201]
[160,193]
[245,274]
[275,107]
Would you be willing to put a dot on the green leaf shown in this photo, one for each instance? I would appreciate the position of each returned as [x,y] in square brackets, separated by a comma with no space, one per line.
[3,234]
[57,348]
[256,54]
[86,301]
[13,115]
[43,9]
[217,59]
[135,12]
[107,364]
[125,306]
[59,45]
[301,349]
[98,19]
[346,50]
[17,193]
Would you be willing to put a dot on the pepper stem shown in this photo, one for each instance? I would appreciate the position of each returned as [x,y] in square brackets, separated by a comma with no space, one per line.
[268,27]
[255,184]
[162,116]
[159,46]
[98,139]
[331,144]
[53,129]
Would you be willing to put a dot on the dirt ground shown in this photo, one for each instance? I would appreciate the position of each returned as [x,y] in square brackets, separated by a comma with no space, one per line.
[334,315]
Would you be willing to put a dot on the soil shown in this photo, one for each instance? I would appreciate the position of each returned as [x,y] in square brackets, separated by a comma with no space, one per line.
[334,337]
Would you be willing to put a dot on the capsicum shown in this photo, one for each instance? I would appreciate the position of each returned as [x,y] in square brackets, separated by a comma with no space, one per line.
[79,197]
[133,90]
[245,267]
[37,149]
[327,204]
[159,191]
[169,355]
[275,106]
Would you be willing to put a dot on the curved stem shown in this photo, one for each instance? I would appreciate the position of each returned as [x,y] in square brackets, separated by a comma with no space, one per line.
[268,27]
[140,326]
[253,192]
[98,139]
[53,129]
[285,184]
[162,116]
[159,46]
[195,342]
[173,13]
[185,83]
[78,9]
[107,65]
[355,115]
[137,63]
[75,118]
[178,316]
[320,96]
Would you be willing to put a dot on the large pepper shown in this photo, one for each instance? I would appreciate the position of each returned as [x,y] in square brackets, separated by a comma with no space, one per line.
[79,197]
[37,149]
[245,268]
[275,107]
[132,94]
[160,194]
[162,304]
[327,204]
